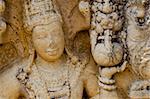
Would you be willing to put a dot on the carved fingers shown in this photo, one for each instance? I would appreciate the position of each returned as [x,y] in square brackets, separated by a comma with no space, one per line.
[105,79]
[123,66]
[108,72]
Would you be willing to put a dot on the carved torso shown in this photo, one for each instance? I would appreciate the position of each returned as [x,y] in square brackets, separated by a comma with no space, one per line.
[65,82]
[54,84]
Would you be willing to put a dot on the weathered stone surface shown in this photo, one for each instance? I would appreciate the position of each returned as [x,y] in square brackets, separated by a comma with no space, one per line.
[74,49]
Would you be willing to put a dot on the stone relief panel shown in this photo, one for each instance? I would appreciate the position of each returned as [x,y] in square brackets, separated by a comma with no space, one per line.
[137,15]
[48,71]
[74,49]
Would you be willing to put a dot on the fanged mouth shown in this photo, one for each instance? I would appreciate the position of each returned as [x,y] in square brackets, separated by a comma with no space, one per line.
[141,22]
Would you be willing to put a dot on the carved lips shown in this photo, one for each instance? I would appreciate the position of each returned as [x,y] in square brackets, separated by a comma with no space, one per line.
[51,51]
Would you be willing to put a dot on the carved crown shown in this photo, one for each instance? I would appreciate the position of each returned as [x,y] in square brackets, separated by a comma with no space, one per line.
[39,12]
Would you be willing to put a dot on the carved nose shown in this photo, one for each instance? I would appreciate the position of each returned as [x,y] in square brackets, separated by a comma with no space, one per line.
[141,14]
[51,41]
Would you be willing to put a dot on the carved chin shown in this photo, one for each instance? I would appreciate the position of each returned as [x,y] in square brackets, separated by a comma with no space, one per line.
[103,57]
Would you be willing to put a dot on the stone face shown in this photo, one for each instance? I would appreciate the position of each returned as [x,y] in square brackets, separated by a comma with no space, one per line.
[74,49]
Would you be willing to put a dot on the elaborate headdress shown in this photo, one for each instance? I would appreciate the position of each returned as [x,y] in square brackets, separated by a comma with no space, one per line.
[39,12]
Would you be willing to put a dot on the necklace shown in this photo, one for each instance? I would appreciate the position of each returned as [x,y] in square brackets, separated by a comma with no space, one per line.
[46,83]
[56,81]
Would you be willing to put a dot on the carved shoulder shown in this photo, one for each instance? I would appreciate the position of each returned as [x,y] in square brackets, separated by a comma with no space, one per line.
[9,84]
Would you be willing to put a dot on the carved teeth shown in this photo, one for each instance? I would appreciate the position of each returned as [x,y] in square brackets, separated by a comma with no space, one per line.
[141,20]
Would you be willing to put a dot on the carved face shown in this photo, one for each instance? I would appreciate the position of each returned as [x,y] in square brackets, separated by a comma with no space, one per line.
[107,19]
[104,51]
[136,13]
[48,41]
[110,21]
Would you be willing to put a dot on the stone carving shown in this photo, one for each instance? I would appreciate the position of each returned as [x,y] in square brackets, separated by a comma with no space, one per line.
[106,43]
[84,8]
[76,17]
[138,28]
[52,74]
[48,71]
[45,49]
[2,23]
[140,89]
[7,51]
[138,22]
[7,54]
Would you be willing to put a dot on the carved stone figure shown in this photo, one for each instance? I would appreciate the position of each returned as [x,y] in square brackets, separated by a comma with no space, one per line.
[138,34]
[48,72]
[45,49]
[138,29]
[106,44]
